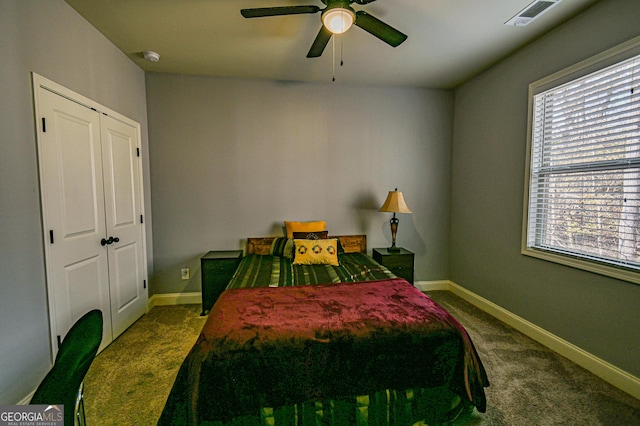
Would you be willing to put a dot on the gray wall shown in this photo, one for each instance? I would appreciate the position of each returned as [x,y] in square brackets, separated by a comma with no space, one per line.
[596,313]
[232,159]
[51,39]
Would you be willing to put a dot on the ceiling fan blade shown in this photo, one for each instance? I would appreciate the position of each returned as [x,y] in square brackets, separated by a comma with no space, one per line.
[278,11]
[323,37]
[383,31]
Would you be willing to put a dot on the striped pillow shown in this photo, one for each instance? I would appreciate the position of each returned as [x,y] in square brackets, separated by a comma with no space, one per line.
[282,247]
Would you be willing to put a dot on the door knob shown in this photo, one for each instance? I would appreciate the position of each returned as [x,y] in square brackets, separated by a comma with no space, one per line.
[111,240]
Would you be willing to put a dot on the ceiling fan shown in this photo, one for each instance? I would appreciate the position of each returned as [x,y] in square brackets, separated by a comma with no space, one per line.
[336,18]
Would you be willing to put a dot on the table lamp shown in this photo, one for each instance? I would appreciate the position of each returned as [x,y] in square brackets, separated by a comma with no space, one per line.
[394,204]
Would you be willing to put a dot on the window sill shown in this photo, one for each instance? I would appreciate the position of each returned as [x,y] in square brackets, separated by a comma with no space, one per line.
[586,265]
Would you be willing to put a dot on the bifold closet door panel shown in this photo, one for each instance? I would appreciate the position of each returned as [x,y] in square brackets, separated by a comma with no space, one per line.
[123,210]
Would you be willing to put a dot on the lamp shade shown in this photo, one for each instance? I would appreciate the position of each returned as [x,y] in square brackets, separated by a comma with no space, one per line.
[395,203]
[338,20]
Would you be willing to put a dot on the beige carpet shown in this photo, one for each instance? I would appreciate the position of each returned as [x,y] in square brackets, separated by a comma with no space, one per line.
[130,380]
[531,385]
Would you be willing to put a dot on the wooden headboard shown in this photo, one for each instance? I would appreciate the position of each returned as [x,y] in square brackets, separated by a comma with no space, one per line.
[350,244]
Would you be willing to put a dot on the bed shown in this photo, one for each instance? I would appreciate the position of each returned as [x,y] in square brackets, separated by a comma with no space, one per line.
[269,262]
[340,344]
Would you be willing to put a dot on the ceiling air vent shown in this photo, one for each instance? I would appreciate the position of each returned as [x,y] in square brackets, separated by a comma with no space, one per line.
[531,12]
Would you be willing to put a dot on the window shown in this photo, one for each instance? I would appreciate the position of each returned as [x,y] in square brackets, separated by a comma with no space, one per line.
[583,187]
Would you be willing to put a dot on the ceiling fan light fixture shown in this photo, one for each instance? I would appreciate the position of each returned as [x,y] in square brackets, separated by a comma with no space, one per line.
[338,19]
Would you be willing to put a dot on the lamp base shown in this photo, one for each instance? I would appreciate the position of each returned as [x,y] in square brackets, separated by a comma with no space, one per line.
[394,249]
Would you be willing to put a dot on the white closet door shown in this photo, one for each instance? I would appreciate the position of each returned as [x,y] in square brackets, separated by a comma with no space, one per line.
[123,212]
[70,157]
[92,211]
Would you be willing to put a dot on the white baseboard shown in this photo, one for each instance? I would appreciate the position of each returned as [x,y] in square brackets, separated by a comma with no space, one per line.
[193,298]
[27,399]
[606,371]
[433,285]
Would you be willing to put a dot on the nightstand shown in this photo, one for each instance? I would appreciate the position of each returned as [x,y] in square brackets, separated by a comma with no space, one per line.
[217,268]
[400,263]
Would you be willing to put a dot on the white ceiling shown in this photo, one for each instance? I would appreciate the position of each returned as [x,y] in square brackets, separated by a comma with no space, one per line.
[449,40]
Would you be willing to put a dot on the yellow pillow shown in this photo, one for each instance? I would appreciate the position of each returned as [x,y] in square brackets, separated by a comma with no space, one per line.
[314,226]
[315,252]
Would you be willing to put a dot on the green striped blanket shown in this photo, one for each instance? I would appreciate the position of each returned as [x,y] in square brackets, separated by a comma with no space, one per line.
[276,271]
[433,406]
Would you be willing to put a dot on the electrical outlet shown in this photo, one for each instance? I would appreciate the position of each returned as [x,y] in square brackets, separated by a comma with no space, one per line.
[185,273]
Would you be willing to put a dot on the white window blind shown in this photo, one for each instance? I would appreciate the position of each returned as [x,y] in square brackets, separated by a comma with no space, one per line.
[584,188]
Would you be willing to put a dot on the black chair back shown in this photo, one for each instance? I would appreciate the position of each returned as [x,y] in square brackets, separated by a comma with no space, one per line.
[75,355]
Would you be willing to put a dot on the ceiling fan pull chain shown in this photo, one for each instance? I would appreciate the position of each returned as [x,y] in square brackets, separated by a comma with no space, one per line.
[341,50]
[333,41]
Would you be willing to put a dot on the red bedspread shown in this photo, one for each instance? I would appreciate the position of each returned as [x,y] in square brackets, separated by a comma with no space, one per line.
[277,346]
